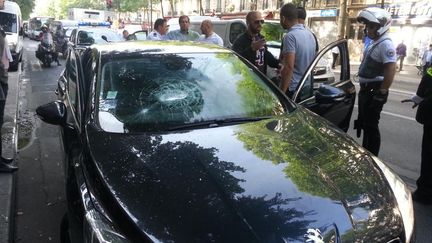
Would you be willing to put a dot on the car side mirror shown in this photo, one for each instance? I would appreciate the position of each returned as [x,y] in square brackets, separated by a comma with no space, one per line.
[53,113]
[327,94]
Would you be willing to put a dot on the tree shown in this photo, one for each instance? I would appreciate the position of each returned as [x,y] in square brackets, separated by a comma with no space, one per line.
[26,7]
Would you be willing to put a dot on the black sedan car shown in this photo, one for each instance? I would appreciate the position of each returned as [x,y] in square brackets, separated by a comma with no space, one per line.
[186,142]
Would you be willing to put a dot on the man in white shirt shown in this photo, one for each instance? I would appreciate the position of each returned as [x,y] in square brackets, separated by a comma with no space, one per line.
[209,36]
[159,30]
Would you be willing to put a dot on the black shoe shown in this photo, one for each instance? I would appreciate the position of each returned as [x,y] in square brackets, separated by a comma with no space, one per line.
[7,168]
[422,198]
[58,64]
[6,160]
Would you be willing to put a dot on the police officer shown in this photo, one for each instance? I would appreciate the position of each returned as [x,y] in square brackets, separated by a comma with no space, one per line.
[159,30]
[423,99]
[376,74]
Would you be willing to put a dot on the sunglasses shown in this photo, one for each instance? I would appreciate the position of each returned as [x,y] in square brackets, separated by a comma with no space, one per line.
[260,21]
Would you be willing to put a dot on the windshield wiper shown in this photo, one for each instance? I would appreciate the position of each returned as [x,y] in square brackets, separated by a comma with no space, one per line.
[218,122]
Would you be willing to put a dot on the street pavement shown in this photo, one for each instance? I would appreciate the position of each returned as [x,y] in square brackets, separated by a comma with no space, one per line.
[10,141]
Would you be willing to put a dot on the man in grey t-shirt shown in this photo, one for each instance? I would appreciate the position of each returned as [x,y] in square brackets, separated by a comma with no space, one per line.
[299,49]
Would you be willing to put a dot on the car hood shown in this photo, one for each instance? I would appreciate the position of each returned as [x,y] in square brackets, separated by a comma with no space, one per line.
[270,181]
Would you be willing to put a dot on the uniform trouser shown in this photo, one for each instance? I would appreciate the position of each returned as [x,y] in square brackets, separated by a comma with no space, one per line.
[369,115]
[2,108]
[424,182]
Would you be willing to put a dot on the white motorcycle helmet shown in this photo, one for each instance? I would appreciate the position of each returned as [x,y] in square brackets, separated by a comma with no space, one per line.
[376,15]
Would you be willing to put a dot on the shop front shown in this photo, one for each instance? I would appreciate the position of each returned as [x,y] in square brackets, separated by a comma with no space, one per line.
[412,24]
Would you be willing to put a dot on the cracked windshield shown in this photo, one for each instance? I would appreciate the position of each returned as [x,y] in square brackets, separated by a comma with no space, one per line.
[163,90]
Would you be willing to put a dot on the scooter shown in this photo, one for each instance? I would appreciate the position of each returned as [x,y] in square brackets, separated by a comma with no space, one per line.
[61,46]
[46,54]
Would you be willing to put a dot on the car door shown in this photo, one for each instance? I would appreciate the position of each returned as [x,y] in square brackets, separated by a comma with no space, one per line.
[332,97]
[69,93]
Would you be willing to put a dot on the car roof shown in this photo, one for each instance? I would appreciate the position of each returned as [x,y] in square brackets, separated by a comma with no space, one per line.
[158,47]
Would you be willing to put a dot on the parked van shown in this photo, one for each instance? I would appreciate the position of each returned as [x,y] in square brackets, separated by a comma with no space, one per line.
[228,30]
[11,22]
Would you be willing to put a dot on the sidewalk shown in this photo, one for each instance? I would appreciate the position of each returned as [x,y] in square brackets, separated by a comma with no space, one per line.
[10,142]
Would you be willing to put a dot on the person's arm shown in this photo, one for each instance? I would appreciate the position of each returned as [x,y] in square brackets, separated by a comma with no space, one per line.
[389,73]
[287,70]
[243,49]
[270,59]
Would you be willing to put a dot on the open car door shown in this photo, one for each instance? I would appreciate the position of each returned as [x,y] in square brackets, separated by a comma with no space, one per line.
[329,92]
[138,35]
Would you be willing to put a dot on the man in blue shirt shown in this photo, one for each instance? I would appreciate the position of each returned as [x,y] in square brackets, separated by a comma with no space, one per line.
[299,49]
[183,34]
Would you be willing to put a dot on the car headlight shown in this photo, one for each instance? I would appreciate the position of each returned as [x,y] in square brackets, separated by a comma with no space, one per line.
[403,197]
[97,228]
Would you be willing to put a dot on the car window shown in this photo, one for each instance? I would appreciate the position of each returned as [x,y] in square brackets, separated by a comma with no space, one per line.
[89,37]
[272,31]
[236,30]
[138,35]
[322,72]
[9,22]
[157,91]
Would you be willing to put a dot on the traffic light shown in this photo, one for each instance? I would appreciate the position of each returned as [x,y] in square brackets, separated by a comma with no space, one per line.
[109,4]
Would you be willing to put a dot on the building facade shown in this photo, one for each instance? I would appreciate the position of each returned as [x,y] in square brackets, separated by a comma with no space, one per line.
[412,23]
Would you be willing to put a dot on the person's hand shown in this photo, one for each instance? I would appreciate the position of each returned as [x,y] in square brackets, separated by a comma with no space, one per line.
[379,98]
[415,99]
[257,44]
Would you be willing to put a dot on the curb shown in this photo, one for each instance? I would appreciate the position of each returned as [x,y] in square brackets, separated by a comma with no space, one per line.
[10,145]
